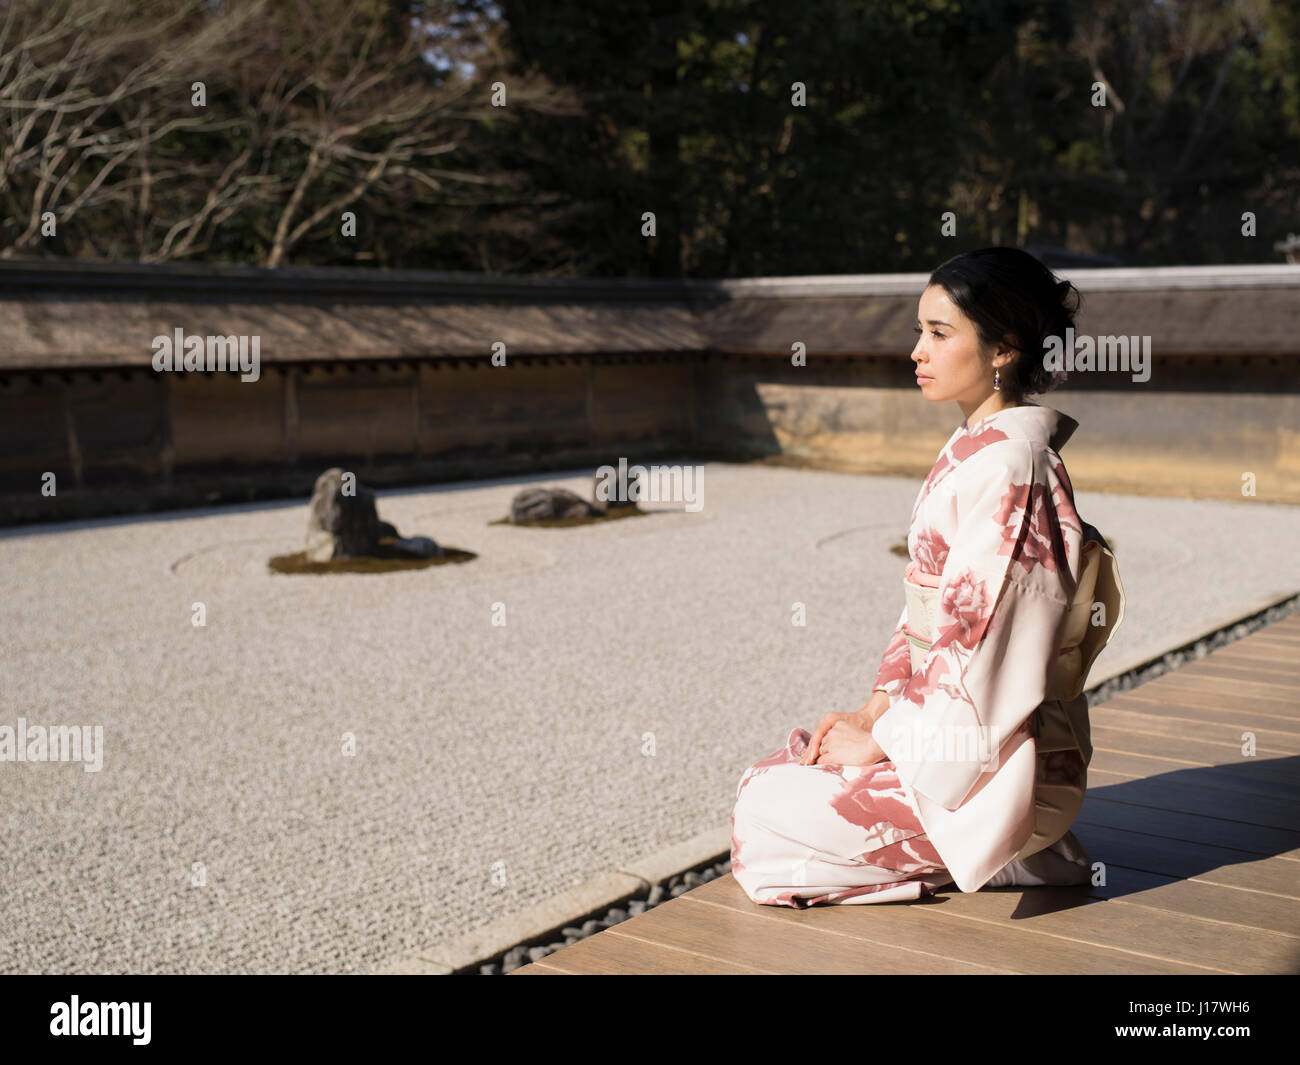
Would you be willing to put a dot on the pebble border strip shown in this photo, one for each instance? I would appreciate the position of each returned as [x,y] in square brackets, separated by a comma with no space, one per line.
[524,953]
[676,885]
[1194,651]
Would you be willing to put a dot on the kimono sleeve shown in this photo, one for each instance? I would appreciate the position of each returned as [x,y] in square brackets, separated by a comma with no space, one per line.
[896,662]
[1002,600]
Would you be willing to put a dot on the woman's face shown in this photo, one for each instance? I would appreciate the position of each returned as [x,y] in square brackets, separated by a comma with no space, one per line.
[948,354]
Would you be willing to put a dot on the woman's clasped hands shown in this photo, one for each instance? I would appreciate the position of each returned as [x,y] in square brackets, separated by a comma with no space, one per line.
[844,739]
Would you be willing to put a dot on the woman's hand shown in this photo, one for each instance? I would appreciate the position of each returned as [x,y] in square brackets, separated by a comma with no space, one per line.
[849,744]
[824,726]
[864,718]
[843,739]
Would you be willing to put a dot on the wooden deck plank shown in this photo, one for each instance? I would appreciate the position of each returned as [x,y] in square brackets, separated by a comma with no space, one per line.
[1274,658]
[1259,671]
[1280,713]
[1270,659]
[1214,779]
[1284,647]
[1275,633]
[1275,655]
[1154,725]
[1281,629]
[1267,763]
[1203,708]
[1198,898]
[802,948]
[1270,670]
[1200,705]
[1186,680]
[1277,679]
[1230,819]
[1017,949]
[1178,858]
[1193,694]
[1267,694]
[1262,638]
[1242,836]
[1155,934]
[1164,794]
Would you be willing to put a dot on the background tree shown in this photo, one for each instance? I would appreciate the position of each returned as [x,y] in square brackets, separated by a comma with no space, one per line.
[313,108]
[767,138]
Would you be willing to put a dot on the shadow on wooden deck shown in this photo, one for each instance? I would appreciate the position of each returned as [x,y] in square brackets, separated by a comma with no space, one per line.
[1200,841]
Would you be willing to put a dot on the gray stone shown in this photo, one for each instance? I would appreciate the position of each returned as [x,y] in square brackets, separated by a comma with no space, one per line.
[348,526]
[339,525]
[417,547]
[539,504]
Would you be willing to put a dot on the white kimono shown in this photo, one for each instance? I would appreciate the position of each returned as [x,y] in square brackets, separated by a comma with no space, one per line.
[1011,599]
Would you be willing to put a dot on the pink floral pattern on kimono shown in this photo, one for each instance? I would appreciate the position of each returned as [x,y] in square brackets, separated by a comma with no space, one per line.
[930,550]
[966,601]
[995,520]
[869,847]
[895,666]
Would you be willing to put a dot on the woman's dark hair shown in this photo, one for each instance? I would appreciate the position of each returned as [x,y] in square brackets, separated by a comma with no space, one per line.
[1010,296]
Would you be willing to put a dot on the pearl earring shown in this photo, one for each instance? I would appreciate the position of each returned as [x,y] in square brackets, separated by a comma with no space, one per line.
[997,383]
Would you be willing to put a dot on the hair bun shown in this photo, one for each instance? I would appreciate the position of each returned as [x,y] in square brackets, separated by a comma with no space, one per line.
[1063,293]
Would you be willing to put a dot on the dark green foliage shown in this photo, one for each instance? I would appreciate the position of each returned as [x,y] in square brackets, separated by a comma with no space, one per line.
[914,108]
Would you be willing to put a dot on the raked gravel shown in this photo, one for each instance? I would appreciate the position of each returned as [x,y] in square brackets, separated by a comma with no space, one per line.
[643,664]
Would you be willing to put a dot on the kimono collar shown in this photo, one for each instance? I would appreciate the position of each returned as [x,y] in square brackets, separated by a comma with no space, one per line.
[1026,422]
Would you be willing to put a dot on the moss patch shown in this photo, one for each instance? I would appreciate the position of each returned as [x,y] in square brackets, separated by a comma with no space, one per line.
[613,514]
[388,561]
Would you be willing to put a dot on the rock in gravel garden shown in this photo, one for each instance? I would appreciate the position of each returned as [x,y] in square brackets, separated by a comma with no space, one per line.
[341,525]
[347,525]
[541,504]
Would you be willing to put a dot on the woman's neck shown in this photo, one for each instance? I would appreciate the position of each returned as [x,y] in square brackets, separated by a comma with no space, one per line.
[994,403]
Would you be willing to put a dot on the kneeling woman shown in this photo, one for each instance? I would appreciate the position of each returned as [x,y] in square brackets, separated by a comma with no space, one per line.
[969,763]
